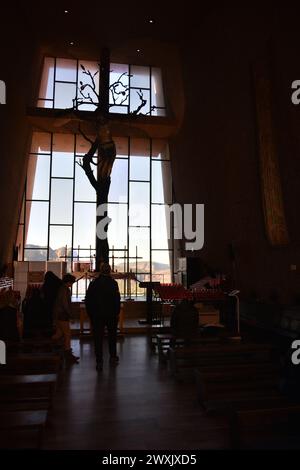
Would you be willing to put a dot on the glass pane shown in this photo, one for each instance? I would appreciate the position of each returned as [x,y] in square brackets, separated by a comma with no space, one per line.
[121,146]
[140,101]
[88,83]
[37,224]
[66,70]
[63,143]
[62,164]
[41,142]
[117,229]
[157,88]
[38,174]
[119,82]
[59,238]
[45,104]
[159,223]
[161,266]
[140,76]
[83,145]
[140,168]
[61,201]
[140,147]
[119,181]
[35,255]
[160,149]
[140,238]
[84,225]
[158,112]
[139,204]
[47,80]
[63,155]
[84,191]
[119,109]
[161,182]
[65,94]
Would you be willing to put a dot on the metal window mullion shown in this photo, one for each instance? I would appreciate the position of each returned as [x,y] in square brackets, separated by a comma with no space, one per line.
[129,87]
[128,195]
[150,238]
[25,223]
[73,202]
[50,191]
[150,78]
[172,232]
[54,81]
[62,177]
[65,81]
[76,98]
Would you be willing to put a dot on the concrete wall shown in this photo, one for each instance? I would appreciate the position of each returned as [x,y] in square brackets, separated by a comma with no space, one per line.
[215,155]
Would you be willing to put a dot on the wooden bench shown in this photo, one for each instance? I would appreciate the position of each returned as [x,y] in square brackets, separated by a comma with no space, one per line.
[165,341]
[262,422]
[223,389]
[12,421]
[33,388]
[32,364]
[47,381]
[46,345]
[184,360]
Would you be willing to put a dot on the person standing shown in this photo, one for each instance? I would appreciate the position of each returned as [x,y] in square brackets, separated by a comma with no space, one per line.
[49,291]
[103,307]
[62,313]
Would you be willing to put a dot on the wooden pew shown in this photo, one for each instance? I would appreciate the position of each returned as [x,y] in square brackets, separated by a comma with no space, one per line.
[224,389]
[165,341]
[263,423]
[184,360]
[43,345]
[49,363]
[11,422]
[27,392]
[34,384]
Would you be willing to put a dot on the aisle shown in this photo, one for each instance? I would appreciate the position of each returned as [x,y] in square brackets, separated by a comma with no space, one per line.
[133,406]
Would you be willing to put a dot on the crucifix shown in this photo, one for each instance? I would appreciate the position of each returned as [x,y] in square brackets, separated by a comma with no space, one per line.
[106,149]
[103,143]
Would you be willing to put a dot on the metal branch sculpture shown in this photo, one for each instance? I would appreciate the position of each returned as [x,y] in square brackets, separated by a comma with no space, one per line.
[106,156]
[103,143]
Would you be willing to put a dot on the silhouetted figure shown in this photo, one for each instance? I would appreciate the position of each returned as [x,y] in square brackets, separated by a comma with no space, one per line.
[184,320]
[103,307]
[33,308]
[62,315]
[50,289]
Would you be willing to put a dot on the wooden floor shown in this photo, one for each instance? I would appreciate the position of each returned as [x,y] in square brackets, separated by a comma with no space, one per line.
[136,405]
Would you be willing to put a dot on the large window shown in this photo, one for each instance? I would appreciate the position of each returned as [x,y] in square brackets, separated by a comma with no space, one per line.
[132,89]
[58,220]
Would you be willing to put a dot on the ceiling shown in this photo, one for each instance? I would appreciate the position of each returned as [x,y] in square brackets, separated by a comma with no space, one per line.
[109,21]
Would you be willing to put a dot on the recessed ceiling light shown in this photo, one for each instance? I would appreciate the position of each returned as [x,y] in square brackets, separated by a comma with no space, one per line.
[66,11]
[138,50]
[71,43]
[151,21]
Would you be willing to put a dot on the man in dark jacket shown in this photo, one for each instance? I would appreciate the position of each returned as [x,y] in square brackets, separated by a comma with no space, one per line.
[103,306]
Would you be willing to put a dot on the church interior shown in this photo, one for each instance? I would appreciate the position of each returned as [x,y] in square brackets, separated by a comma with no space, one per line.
[151,149]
